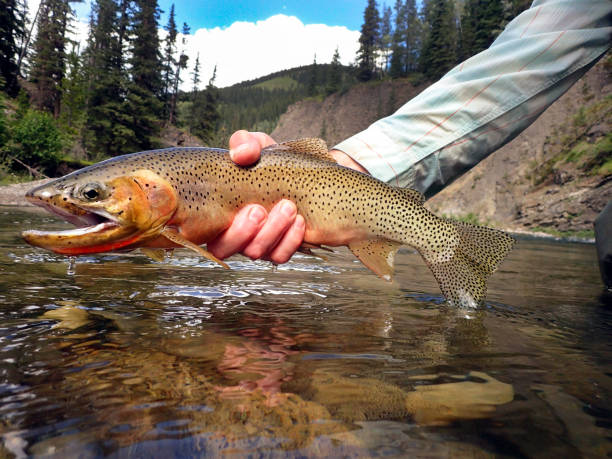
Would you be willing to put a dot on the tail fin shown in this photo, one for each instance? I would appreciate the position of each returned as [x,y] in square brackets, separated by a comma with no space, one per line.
[462,271]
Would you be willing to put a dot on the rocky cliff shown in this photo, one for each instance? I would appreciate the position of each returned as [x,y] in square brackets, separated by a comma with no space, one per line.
[555,177]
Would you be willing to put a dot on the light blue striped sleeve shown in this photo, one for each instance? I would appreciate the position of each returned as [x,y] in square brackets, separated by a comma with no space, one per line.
[487,100]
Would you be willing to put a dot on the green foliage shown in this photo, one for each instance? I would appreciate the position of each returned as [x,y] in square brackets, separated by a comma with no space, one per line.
[74,95]
[36,141]
[595,158]
[4,132]
[580,234]
[284,83]
[258,104]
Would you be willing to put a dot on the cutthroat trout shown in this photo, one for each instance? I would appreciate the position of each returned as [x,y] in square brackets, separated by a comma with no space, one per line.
[163,199]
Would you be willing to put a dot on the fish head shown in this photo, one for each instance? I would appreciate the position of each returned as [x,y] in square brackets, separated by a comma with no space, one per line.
[112,210]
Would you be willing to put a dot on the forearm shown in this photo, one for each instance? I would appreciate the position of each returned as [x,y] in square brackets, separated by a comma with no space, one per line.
[487,100]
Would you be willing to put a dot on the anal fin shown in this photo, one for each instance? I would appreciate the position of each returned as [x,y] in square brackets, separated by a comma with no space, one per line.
[378,255]
[174,236]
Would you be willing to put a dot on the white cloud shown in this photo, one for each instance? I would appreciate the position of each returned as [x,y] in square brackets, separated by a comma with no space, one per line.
[247,50]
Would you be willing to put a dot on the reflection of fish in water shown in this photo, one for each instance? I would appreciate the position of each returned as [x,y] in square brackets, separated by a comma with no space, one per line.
[187,196]
[251,376]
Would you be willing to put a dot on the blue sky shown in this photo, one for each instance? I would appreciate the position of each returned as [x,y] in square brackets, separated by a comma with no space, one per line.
[208,14]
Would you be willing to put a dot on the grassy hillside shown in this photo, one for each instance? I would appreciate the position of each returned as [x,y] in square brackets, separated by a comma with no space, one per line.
[258,104]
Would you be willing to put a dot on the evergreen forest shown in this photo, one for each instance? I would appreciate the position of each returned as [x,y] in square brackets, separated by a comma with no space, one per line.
[65,104]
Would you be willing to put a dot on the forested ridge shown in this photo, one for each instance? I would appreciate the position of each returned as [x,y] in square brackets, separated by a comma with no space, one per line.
[65,104]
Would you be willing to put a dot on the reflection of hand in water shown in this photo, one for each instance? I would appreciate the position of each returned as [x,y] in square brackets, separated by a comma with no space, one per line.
[258,364]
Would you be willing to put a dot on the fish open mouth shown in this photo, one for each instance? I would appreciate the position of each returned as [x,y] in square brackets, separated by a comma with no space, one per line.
[85,220]
[96,230]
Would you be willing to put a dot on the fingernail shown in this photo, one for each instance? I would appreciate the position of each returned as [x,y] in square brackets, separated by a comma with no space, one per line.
[288,209]
[256,215]
[238,150]
[299,222]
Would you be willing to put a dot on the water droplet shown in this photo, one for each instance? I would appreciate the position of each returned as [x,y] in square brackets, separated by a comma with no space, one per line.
[71,265]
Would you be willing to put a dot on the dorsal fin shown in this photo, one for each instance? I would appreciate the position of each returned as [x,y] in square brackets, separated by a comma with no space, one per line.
[414,195]
[313,147]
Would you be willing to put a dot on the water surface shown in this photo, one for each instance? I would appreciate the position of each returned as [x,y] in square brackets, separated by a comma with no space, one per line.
[119,355]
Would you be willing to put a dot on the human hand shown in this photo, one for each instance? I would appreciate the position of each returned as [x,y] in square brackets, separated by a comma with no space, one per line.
[245,149]
[273,236]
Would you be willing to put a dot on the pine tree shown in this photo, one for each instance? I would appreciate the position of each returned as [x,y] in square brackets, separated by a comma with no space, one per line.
[385,39]
[314,78]
[74,89]
[439,50]
[193,109]
[398,47]
[108,130]
[335,74]
[205,111]
[366,56]
[49,61]
[468,29]
[169,61]
[481,22]
[181,64]
[196,74]
[12,30]
[412,36]
[145,90]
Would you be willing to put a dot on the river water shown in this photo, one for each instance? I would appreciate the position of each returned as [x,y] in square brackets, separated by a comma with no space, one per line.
[123,356]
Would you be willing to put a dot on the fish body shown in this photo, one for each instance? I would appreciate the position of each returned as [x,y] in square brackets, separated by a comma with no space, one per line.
[162,199]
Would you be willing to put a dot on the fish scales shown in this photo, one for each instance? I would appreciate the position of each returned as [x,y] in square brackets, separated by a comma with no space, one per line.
[340,207]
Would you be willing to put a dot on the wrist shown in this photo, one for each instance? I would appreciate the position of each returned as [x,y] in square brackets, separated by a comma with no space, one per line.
[345,160]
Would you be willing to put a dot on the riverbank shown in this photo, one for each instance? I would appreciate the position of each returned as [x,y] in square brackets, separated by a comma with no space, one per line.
[14,195]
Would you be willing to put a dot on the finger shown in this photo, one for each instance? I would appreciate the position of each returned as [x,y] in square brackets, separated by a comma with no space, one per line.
[247,222]
[290,242]
[245,147]
[279,220]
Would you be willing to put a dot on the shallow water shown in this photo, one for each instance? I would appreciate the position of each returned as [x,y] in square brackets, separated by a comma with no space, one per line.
[119,355]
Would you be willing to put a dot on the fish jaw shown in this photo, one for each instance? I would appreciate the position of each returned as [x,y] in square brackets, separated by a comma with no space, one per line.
[103,237]
[134,212]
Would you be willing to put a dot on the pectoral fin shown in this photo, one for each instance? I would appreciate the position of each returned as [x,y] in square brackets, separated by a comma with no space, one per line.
[306,248]
[174,236]
[378,255]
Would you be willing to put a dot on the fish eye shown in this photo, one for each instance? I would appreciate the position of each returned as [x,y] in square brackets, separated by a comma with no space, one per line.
[92,192]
